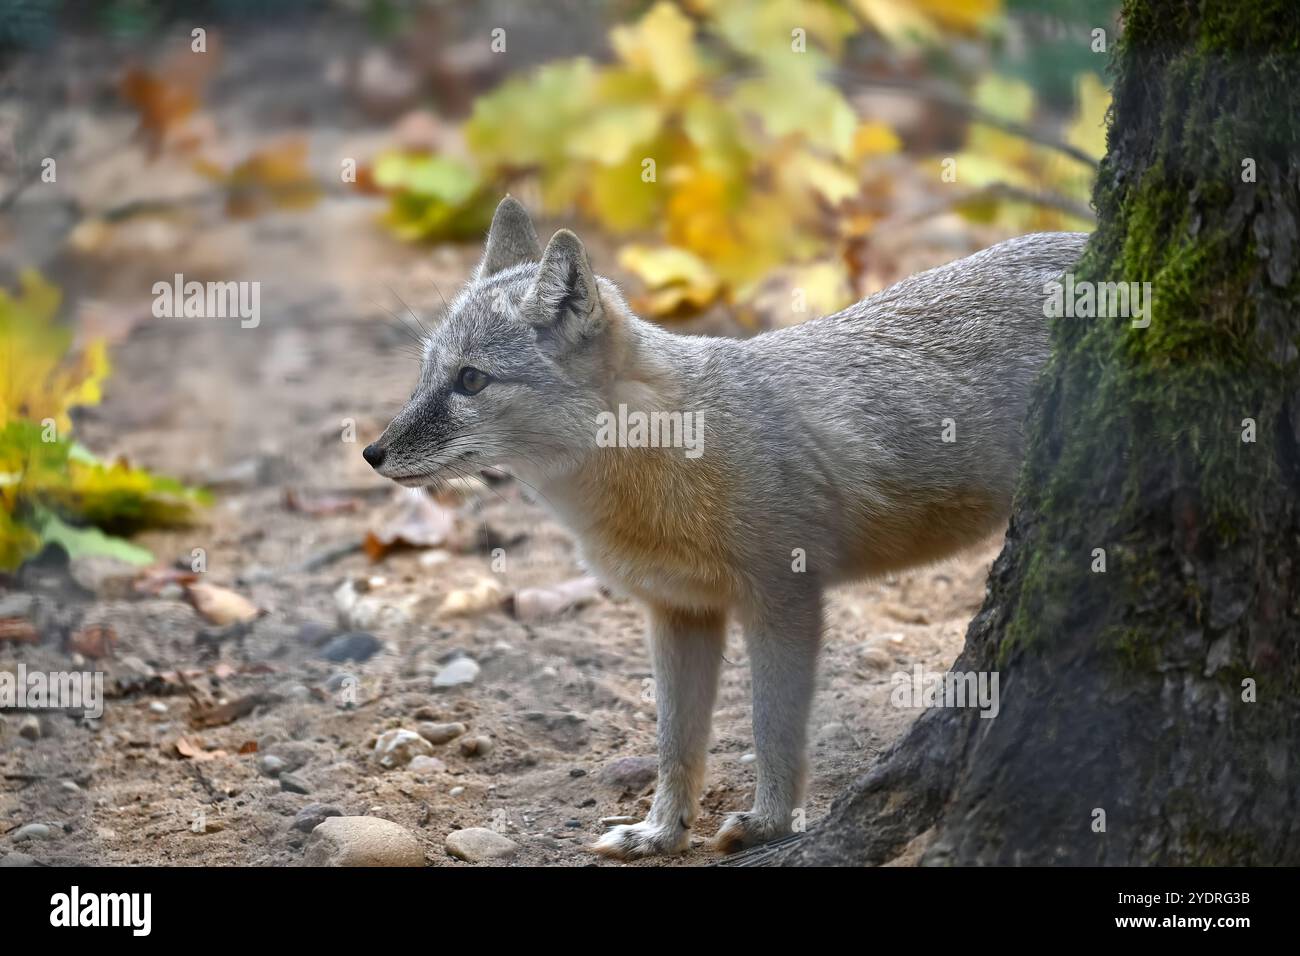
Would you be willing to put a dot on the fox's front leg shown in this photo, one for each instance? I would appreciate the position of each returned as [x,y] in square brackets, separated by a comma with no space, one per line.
[783,639]
[686,652]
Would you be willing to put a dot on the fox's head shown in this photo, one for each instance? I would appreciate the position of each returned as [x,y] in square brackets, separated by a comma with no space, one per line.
[515,372]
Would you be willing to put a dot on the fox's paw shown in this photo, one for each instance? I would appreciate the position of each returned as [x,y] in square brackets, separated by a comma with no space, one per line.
[631,842]
[743,830]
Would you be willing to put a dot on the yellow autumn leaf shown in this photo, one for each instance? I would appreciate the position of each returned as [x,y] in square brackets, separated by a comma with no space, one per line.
[1087,131]
[905,22]
[611,133]
[661,43]
[875,139]
[675,278]
[794,101]
[821,288]
[766,29]
[40,380]
[826,179]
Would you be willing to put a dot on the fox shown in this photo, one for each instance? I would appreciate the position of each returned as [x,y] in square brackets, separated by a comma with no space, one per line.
[883,437]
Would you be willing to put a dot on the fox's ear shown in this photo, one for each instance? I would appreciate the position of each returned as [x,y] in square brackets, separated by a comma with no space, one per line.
[565,299]
[511,240]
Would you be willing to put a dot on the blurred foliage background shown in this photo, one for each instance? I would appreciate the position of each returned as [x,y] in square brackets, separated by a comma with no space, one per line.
[753,159]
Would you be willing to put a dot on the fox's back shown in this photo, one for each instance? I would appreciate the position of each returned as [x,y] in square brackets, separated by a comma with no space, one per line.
[900,420]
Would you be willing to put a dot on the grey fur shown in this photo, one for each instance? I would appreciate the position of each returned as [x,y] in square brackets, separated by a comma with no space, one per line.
[826,437]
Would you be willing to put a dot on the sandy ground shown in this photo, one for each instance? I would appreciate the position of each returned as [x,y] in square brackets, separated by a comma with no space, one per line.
[263,411]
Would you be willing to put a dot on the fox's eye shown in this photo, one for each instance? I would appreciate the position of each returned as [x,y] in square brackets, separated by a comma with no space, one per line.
[472,381]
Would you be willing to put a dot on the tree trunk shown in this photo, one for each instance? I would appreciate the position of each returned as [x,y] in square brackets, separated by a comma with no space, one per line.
[1163,692]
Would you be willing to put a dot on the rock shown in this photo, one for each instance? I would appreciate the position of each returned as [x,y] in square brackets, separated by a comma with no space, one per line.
[314,633]
[455,791]
[475,746]
[272,766]
[361,841]
[577,772]
[397,748]
[629,773]
[20,859]
[30,728]
[440,733]
[463,670]
[17,605]
[748,758]
[157,707]
[478,844]
[354,646]
[33,831]
[71,786]
[313,815]
[566,731]
[292,783]
[426,766]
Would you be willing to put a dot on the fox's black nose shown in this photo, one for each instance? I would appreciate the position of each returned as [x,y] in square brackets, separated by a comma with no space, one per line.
[374,455]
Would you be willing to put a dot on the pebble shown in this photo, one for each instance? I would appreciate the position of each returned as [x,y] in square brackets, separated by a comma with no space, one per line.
[630,773]
[271,766]
[477,844]
[426,766]
[292,783]
[463,670]
[71,786]
[455,791]
[362,841]
[397,748]
[30,728]
[440,733]
[157,707]
[748,758]
[313,815]
[33,831]
[355,646]
[475,746]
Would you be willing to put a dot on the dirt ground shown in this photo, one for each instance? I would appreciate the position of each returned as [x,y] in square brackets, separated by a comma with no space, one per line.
[261,412]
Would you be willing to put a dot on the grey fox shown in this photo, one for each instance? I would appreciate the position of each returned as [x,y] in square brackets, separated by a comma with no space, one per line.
[886,435]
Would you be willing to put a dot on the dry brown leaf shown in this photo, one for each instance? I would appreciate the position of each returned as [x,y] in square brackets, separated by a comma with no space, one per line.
[192,748]
[203,715]
[422,523]
[94,641]
[219,605]
[19,630]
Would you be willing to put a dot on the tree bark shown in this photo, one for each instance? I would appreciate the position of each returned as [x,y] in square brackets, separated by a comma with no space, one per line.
[1165,691]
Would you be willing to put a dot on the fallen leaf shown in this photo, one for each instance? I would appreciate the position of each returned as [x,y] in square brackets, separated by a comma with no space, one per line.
[94,641]
[19,630]
[192,748]
[220,605]
[535,604]
[202,715]
[421,523]
[483,596]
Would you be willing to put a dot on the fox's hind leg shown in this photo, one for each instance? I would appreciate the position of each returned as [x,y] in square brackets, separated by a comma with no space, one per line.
[783,640]
[686,651]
